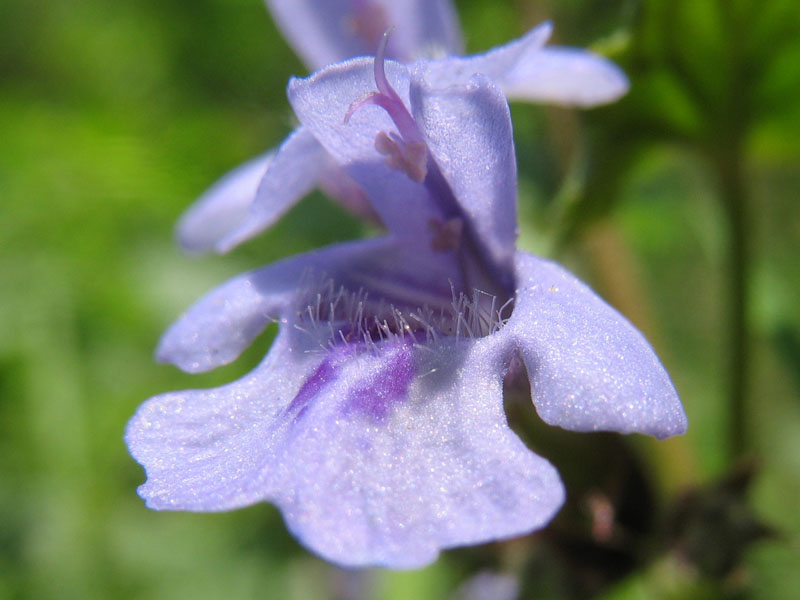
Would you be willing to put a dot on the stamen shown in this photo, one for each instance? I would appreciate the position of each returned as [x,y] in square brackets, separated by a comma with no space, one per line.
[411,158]
[388,99]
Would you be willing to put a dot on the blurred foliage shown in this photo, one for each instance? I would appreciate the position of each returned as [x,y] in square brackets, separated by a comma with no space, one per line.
[115,116]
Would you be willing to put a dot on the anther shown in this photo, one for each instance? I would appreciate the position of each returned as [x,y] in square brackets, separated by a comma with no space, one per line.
[446,234]
[411,157]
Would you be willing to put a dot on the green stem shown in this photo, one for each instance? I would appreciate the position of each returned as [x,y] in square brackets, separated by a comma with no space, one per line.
[734,197]
[732,124]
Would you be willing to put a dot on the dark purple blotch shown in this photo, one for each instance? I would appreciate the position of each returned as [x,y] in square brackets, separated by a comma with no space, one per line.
[323,375]
[376,397]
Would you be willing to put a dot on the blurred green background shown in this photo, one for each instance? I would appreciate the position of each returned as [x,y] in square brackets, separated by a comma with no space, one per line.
[679,204]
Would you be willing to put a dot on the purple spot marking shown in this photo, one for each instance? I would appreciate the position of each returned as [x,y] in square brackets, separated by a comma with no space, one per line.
[377,396]
[323,375]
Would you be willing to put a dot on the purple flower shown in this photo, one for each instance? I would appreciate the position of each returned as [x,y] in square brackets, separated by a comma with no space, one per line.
[323,32]
[252,197]
[375,423]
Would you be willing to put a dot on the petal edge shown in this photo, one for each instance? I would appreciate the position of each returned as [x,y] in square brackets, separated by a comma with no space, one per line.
[589,368]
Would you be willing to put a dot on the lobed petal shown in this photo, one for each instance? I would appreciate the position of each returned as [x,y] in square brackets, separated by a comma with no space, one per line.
[377,458]
[323,32]
[589,368]
[224,322]
[567,76]
[526,70]
[495,64]
[223,208]
[468,130]
[441,469]
[251,198]
[206,450]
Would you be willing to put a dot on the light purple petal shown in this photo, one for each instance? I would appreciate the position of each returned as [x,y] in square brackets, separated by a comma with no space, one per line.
[294,171]
[204,450]
[421,28]
[438,468]
[327,31]
[321,102]
[375,458]
[320,31]
[430,28]
[223,208]
[526,70]
[495,64]
[336,183]
[589,368]
[223,323]
[568,76]
[468,130]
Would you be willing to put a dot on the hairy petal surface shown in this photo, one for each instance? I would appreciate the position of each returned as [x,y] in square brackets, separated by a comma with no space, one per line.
[224,322]
[375,457]
[223,208]
[468,130]
[526,70]
[589,368]
[327,31]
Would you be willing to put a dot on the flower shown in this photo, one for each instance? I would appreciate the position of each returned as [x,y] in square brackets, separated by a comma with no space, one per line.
[253,196]
[375,422]
[323,32]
